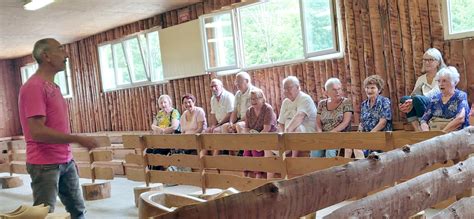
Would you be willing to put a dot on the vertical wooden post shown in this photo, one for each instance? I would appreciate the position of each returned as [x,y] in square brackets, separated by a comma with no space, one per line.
[389,145]
[91,162]
[281,151]
[10,157]
[202,163]
[146,171]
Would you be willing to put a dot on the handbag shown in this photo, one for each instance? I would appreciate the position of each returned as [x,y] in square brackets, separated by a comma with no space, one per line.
[438,123]
[177,130]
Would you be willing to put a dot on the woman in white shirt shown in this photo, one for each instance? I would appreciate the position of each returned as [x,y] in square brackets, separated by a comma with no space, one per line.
[425,87]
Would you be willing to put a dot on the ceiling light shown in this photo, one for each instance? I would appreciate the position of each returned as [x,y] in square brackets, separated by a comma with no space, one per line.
[32,5]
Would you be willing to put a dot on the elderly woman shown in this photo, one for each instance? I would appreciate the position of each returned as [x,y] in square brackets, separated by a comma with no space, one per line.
[425,88]
[166,120]
[259,117]
[334,114]
[447,110]
[193,119]
[376,114]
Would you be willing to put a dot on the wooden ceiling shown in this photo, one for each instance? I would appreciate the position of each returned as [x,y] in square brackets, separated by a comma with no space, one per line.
[71,20]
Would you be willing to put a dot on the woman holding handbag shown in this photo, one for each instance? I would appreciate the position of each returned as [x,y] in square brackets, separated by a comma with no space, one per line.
[448,110]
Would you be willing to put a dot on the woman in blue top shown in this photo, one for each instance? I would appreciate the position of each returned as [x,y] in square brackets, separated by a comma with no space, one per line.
[376,112]
[450,107]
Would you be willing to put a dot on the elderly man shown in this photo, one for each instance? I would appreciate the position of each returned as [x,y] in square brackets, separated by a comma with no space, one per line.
[241,104]
[45,122]
[298,111]
[222,106]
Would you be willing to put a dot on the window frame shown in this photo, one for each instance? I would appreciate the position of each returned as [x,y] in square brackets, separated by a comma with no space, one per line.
[67,75]
[336,52]
[446,14]
[235,41]
[334,24]
[145,61]
[265,65]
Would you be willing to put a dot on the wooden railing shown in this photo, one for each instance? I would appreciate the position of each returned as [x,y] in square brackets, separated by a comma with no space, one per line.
[225,171]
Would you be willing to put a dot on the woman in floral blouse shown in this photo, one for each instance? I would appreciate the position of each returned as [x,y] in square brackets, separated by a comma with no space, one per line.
[449,106]
[166,121]
[334,114]
[376,112]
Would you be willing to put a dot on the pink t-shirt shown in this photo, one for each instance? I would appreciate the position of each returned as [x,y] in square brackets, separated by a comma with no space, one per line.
[42,98]
[188,126]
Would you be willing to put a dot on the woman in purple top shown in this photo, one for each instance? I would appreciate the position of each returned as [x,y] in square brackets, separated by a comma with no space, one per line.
[259,117]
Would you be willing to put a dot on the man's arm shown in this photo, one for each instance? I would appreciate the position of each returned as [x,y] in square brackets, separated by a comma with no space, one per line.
[233,117]
[295,122]
[225,119]
[40,132]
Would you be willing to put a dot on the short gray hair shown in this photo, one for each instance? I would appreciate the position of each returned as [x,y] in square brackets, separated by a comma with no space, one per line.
[330,82]
[259,93]
[165,96]
[39,48]
[451,72]
[436,54]
[217,81]
[245,76]
[292,79]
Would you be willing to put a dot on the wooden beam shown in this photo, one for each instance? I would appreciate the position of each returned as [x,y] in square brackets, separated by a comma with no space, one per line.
[415,195]
[355,140]
[460,209]
[263,141]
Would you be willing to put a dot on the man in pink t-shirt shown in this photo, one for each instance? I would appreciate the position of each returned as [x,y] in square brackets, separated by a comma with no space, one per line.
[45,122]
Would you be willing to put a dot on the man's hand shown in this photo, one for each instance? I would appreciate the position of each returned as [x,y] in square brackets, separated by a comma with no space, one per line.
[87,142]
[2,160]
[406,107]
[231,128]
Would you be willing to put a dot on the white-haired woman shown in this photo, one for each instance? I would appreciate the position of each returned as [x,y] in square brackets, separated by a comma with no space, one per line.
[447,110]
[425,88]
[166,121]
[334,114]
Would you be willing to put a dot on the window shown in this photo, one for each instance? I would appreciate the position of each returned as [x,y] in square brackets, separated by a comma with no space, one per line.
[219,42]
[459,17]
[62,78]
[319,27]
[130,62]
[271,32]
[266,33]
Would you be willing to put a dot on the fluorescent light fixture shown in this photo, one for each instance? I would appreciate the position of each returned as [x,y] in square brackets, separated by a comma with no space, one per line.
[32,5]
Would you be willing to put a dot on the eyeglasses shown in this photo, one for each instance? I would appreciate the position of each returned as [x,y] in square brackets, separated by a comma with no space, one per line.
[429,60]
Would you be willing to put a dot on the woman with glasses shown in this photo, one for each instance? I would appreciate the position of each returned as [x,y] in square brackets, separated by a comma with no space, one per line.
[425,87]
[259,118]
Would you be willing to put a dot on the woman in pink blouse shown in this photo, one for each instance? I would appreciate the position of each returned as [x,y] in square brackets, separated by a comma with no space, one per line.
[193,119]
[259,117]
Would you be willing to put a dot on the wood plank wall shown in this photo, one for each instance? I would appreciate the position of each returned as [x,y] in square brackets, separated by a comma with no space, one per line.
[384,37]
[9,80]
